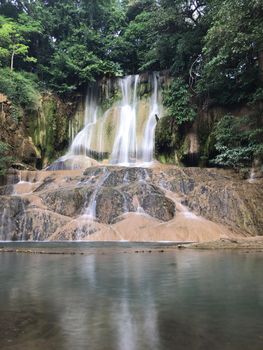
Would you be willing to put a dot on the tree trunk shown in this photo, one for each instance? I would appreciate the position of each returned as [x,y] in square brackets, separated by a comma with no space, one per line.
[12,61]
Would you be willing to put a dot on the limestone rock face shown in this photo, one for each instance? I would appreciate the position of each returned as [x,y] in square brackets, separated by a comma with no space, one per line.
[232,204]
[218,195]
[115,190]
[38,225]
[111,202]
[67,201]
[10,210]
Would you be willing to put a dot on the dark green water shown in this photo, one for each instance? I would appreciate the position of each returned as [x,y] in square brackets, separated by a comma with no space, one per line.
[176,300]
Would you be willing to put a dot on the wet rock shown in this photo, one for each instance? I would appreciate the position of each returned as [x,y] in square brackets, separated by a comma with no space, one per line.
[45,184]
[159,207]
[38,225]
[72,162]
[95,171]
[6,190]
[113,190]
[151,199]
[236,204]
[58,207]
[111,203]
[217,195]
[10,209]
[68,201]
[121,176]
[11,177]
[175,180]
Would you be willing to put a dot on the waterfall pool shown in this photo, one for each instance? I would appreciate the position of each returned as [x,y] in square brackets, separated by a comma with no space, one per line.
[181,299]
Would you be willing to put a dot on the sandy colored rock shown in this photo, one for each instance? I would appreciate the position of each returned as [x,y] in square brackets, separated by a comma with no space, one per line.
[162,203]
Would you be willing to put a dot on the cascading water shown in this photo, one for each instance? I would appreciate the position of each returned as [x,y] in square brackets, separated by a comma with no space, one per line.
[148,140]
[90,210]
[81,144]
[125,145]
[124,133]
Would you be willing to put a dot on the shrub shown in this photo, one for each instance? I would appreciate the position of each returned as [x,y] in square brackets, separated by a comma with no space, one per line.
[20,88]
[5,159]
[177,99]
[238,141]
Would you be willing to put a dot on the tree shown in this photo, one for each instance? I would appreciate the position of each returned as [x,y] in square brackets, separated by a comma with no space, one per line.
[232,51]
[177,99]
[75,46]
[13,40]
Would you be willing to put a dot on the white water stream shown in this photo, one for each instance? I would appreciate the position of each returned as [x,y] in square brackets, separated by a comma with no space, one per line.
[81,144]
[125,145]
[148,141]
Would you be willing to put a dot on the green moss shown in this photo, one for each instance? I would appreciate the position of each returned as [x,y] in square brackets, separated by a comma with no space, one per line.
[145,89]
[5,159]
[167,141]
[49,129]
[184,149]
[110,101]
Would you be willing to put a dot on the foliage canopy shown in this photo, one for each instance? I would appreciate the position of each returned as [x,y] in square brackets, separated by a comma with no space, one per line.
[212,48]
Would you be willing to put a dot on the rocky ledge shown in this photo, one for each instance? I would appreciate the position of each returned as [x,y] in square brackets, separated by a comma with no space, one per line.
[113,203]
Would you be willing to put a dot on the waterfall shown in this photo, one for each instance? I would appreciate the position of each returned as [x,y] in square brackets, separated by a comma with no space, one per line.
[148,140]
[123,134]
[90,210]
[125,145]
[81,144]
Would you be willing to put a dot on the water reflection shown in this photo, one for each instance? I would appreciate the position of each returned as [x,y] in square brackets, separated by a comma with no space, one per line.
[183,300]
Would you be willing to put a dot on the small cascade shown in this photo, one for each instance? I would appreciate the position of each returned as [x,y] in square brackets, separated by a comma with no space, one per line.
[90,210]
[148,141]
[26,184]
[87,219]
[125,144]
[81,144]
[101,132]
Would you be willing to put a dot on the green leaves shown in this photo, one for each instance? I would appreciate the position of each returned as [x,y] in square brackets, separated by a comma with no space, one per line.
[20,88]
[177,99]
[231,49]
[238,141]
[13,39]
[5,159]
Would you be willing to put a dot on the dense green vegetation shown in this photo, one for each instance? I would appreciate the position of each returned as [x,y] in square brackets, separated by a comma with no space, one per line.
[22,90]
[238,145]
[177,99]
[212,48]
[5,159]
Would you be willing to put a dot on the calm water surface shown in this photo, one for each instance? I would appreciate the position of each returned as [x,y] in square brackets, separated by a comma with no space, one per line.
[176,300]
